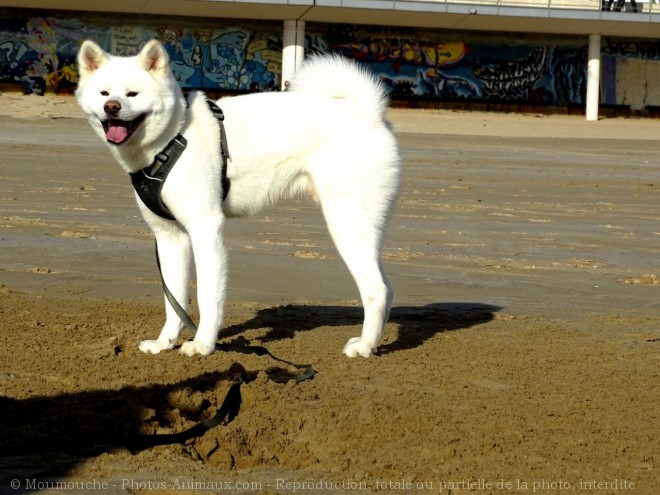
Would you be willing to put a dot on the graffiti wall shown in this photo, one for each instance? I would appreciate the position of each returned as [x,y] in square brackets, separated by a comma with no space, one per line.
[37,54]
[469,66]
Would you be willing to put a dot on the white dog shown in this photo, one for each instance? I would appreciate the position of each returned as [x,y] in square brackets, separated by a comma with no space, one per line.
[326,137]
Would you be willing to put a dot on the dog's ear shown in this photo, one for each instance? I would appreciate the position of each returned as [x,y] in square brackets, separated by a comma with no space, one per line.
[154,58]
[90,57]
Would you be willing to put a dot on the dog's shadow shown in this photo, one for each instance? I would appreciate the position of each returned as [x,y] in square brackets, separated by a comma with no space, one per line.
[416,324]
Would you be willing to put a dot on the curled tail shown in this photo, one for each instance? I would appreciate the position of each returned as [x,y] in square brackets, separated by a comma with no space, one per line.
[334,76]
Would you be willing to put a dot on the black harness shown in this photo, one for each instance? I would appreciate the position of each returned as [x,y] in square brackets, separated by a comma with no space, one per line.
[148,182]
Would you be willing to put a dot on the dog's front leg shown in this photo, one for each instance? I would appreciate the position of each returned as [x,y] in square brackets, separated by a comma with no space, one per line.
[175,253]
[211,269]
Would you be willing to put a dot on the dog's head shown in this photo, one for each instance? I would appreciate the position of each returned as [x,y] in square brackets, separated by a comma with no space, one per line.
[131,102]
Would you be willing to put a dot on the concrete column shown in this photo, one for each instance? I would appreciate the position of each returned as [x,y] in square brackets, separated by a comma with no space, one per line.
[593,77]
[293,49]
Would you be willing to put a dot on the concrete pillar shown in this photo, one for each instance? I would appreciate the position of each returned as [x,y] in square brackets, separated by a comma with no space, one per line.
[593,77]
[293,49]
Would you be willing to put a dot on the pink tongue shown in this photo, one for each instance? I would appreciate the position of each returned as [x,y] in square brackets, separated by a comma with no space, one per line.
[117,133]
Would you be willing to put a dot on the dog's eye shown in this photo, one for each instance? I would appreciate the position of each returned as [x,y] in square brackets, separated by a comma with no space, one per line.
[131,94]
[105,93]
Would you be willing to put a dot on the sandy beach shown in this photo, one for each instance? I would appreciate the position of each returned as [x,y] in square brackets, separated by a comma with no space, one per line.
[522,354]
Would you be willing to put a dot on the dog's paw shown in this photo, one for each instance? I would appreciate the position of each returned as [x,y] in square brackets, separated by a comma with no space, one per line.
[154,346]
[193,347]
[357,347]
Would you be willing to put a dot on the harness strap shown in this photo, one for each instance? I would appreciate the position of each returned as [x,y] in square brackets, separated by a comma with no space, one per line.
[224,149]
[148,182]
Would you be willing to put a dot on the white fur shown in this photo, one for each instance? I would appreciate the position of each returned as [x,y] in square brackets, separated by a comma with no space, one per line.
[326,136]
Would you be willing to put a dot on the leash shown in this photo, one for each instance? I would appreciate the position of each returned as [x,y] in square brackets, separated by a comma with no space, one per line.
[231,404]
[307,370]
[230,408]
[148,183]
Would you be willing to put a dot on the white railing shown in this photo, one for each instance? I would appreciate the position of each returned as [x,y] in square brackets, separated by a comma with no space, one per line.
[613,7]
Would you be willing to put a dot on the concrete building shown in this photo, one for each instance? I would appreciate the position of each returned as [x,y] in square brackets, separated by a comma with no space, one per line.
[564,54]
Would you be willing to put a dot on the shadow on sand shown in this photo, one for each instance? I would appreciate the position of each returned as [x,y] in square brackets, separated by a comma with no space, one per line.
[43,438]
[416,324]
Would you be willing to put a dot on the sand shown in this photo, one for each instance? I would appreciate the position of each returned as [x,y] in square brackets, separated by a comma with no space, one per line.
[521,356]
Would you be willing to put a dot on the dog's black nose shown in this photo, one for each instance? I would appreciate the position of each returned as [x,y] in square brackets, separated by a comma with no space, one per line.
[112,107]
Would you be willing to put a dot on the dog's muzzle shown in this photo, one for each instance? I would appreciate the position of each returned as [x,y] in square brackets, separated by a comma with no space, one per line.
[117,131]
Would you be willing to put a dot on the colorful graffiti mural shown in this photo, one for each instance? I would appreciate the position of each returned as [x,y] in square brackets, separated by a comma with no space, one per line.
[39,53]
[415,66]
[229,59]
[36,52]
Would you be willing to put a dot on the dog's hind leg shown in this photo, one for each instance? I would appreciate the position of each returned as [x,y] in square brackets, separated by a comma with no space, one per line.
[358,237]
